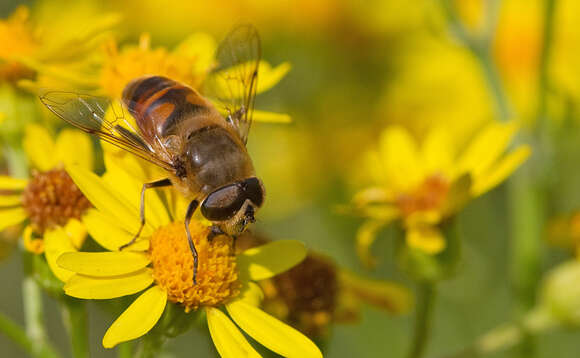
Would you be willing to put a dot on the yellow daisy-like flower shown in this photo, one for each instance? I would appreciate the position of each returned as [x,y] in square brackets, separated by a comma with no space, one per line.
[161,265]
[423,184]
[55,46]
[48,201]
[189,62]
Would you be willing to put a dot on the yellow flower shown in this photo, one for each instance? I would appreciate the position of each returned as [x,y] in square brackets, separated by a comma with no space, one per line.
[423,184]
[53,43]
[317,293]
[49,201]
[189,62]
[160,264]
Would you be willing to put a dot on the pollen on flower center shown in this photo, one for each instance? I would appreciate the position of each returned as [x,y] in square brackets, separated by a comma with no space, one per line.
[430,195]
[51,199]
[217,276]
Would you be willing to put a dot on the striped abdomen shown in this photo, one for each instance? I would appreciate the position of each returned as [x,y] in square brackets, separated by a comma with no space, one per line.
[160,104]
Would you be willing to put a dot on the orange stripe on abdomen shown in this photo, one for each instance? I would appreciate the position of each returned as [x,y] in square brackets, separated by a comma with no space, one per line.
[159,104]
[138,91]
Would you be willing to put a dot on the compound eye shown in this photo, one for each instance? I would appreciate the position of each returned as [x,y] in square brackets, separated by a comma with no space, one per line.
[254,191]
[223,203]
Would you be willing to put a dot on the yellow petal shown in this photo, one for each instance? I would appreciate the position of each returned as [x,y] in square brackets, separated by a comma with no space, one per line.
[121,163]
[269,76]
[401,159]
[89,287]
[32,243]
[420,218]
[39,148]
[200,46]
[428,239]
[76,232]
[10,183]
[56,243]
[375,168]
[270,332]
[375,194]
[252,294]
[103,264]
[365,237]
[486,148]
[268,260]
[12,216]
[271,117]
[385,213]
[101,195]
[10,200]
[107,233]
[500,171]
[227,338]
[138,318]
[438,152]
[128,187]
[74,148]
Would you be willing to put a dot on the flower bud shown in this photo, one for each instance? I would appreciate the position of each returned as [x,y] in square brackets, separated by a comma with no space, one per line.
[560,294]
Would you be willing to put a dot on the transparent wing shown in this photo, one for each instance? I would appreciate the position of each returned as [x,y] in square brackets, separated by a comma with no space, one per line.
[232,83]
[103,118]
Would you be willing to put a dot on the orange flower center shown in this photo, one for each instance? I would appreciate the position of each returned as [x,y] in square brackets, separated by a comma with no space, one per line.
[430,195]
[217,276]
[51,199]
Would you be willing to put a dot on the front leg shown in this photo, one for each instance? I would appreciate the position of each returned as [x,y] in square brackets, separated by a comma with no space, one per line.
[214,231]
[190,210]
[156,184]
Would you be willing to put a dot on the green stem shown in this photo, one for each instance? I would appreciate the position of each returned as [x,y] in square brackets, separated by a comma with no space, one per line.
[527,222]
[33,308]
[423,319]
[75,318]
[15,333]
[491,74]
[480,47]
[125,350]
[528,200]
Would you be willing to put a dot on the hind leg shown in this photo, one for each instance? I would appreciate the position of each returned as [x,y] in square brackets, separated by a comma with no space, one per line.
[190,210]
[156,184]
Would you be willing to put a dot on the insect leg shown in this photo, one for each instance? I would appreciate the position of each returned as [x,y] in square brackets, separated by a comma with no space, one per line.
[234,238]
[214,231]
[156,184]
[190,210]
